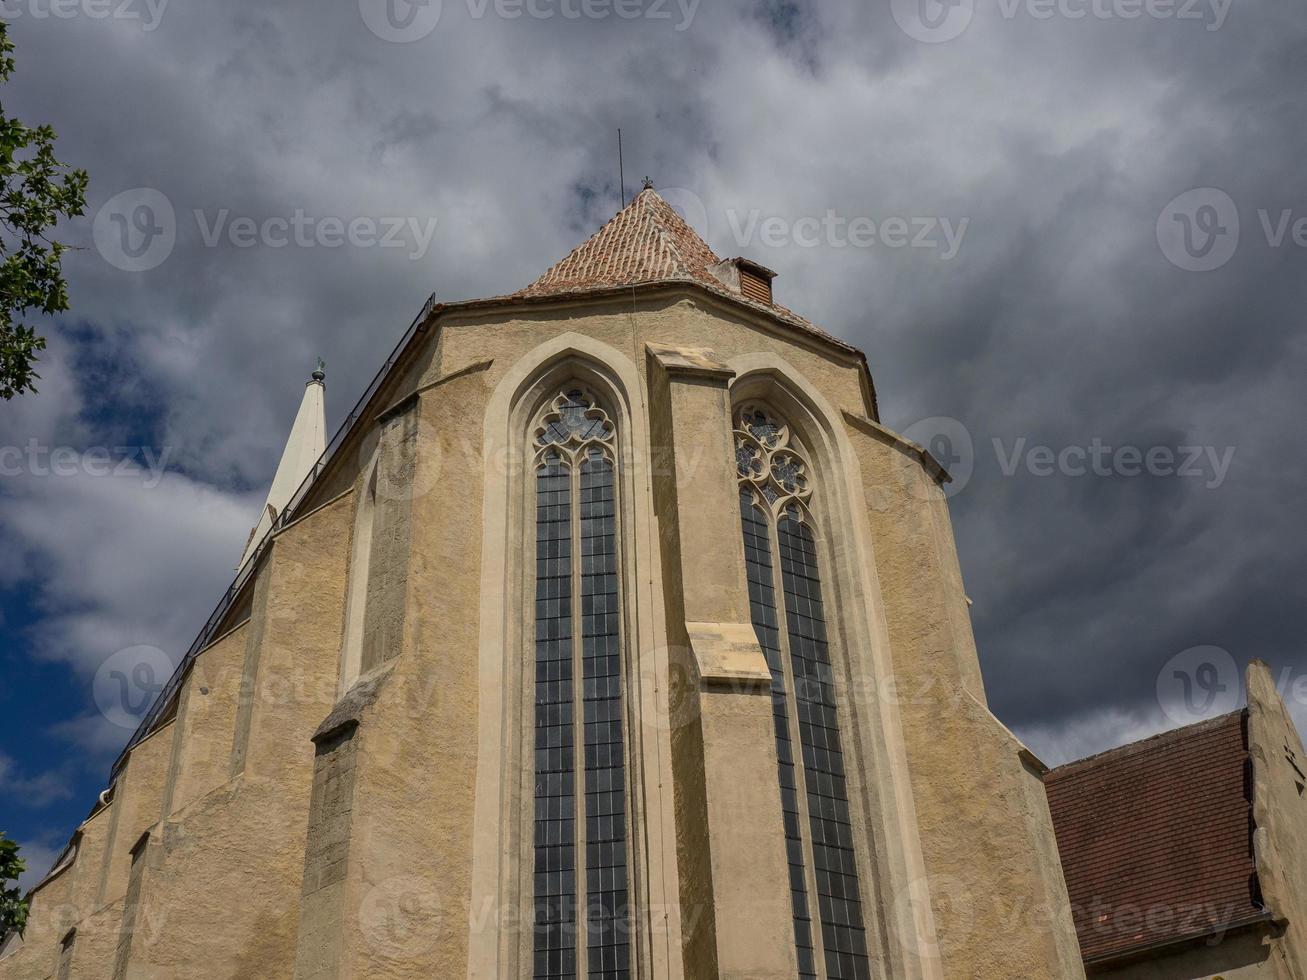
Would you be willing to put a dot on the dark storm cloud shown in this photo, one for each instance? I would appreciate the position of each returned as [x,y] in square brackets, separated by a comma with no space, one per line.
[1051,143]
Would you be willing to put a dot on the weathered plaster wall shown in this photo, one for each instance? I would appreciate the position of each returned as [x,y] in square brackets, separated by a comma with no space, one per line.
[215,892]
[354,859]
[739,830]
[137,803]
[1000,908]
[693,856]
[320,942]
[683,321]
[206,721]
[390,545]
[1280,814]
[399,782]
[50,915]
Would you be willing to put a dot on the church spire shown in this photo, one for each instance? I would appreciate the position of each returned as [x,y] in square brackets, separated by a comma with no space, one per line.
[304,447]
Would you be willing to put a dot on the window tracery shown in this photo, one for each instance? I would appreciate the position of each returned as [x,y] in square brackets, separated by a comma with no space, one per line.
[781,557]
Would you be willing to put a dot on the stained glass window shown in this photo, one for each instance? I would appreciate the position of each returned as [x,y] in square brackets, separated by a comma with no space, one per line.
[579,663]
[780,552]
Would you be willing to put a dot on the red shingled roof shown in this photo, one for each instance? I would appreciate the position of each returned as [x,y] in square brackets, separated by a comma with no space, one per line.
[1156,839]
[645,244]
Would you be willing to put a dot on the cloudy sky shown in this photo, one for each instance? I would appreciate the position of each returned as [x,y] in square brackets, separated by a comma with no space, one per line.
[1064,231]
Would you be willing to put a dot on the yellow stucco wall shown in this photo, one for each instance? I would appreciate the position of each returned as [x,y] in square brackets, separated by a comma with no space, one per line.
[233,884]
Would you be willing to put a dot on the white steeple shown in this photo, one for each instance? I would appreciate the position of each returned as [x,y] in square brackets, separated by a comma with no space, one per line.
[308,439]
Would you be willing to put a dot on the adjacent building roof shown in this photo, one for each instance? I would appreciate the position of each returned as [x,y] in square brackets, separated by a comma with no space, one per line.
[1156,839]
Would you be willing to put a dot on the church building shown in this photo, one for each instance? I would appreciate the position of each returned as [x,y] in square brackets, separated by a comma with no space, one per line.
[614,637]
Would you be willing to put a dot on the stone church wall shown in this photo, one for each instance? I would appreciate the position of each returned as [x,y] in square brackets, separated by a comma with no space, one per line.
[384,848]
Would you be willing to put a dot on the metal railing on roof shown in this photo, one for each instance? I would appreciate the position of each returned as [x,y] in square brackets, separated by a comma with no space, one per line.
[288,514]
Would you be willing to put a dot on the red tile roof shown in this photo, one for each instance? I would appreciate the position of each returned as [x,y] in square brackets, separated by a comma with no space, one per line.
[648,243]
[1156,839]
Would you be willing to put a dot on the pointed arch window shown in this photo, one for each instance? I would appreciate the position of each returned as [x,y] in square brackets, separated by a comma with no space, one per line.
[581,917]
[781,554]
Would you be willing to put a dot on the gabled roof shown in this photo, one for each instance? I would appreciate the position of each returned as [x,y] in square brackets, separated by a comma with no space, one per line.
[1156,839]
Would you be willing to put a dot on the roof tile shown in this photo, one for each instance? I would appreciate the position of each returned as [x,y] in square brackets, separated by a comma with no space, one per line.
[1155,838]
[646,243]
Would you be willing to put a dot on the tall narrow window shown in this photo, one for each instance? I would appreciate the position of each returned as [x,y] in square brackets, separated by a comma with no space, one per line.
[578,663]
[780,551]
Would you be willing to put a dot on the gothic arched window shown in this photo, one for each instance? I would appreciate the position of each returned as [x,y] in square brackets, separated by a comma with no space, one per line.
[781,554]
[578,663]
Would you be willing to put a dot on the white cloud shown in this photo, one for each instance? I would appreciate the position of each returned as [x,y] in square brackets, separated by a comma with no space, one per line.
[116,561]
[32,791]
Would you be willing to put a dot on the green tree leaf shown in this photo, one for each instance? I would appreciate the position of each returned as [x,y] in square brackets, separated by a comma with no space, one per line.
[36,192]
[13,907]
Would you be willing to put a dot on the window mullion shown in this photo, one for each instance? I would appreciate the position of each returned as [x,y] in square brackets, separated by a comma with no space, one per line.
[578,719]
[800,764]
